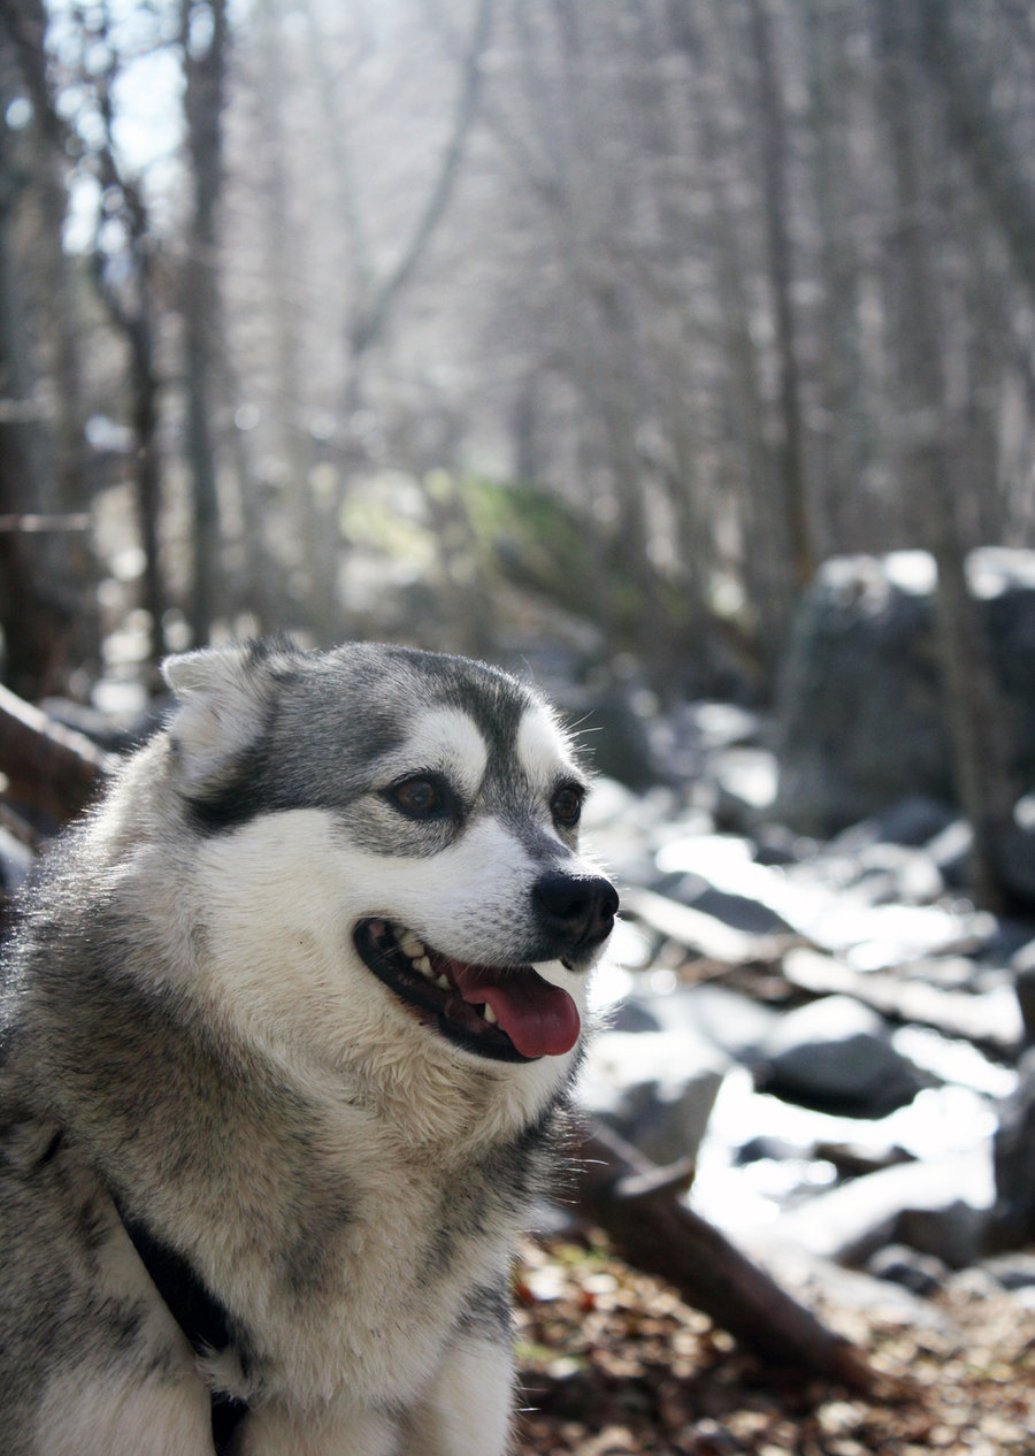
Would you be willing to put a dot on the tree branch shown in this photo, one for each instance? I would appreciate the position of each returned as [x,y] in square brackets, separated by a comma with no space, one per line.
[373,319]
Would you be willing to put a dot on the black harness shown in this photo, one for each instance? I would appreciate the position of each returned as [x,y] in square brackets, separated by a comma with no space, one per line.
[199,1314]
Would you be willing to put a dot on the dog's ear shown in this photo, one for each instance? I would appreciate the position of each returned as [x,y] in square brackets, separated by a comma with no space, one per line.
[223,696]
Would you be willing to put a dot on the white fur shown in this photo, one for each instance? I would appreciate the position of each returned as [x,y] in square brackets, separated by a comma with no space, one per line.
[445,739]
[103,1412]
[468,1409]
[541,747]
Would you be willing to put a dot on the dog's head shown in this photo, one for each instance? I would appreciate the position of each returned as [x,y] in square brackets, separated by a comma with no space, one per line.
[391,837]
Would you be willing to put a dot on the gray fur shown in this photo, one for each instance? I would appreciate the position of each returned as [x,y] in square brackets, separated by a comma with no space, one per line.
[347,1182]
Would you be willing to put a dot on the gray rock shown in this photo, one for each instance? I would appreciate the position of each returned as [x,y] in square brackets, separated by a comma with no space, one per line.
[860,721]
[15,862]
[734,1024]
[1013,1223]
[836,1054]
[910,822]
[940,1208]
[1012,1271]
[656,1089]
[1024,987]
[745,781]
[923,1274]
[739,911]
[950,852]
[616,721]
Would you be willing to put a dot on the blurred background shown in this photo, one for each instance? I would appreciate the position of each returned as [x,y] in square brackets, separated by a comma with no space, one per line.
[493,323]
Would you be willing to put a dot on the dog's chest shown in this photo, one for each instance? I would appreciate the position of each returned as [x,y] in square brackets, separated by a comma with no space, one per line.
[377,1311]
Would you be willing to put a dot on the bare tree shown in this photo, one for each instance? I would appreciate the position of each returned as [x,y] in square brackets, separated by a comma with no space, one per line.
[973,718]
[776,189]
[45,578]
[203,38]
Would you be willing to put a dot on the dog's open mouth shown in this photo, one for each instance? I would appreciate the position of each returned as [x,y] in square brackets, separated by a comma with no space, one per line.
[507,1013]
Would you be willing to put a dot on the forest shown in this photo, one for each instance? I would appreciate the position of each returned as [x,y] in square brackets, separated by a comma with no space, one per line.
[408,319]
[679,354]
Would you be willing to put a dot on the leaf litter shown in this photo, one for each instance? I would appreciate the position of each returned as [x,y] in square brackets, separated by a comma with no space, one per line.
[613,1363]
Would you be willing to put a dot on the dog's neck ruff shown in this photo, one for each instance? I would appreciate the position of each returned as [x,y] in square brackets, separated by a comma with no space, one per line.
[199,1314]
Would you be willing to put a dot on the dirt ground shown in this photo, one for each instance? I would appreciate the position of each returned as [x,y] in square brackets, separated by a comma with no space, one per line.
[613,1363]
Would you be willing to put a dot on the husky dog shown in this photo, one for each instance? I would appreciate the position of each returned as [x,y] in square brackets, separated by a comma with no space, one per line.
[287,1026]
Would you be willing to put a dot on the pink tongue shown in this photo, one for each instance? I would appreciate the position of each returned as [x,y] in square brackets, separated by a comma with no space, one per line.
[540,1019]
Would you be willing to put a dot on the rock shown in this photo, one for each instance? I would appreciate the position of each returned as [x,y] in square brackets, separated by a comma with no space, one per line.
[923,1274]
[1015,858]
[15,862]
[820,1280]
[862,674]
[1013,1222]
[739,911]
[616,721]
[883,934]
[1012,1271]
[940,1208]
[736,1025]
[656,1089]
[910,822]
[696,931]
[721,725]
[745,781]
[1023,967]
[836,1054]
[950,852]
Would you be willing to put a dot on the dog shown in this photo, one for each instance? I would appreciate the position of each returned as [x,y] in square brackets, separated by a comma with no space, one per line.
[289,1025]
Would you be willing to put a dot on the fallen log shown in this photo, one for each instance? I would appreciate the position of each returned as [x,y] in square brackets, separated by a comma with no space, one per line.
[52,772]
[990,1019]
[640,1209]
[704,934]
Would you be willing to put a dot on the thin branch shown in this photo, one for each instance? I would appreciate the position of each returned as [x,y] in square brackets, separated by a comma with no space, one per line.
[375,316]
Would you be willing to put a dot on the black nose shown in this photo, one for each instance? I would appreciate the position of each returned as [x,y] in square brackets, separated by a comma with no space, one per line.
[579,910]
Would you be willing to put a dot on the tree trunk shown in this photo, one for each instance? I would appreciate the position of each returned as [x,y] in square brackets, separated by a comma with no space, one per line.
[204,71]
[36,624]
[974,718]
[980,137]
[776,192]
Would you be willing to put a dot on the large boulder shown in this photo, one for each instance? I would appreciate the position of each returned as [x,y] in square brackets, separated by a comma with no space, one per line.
[861,722]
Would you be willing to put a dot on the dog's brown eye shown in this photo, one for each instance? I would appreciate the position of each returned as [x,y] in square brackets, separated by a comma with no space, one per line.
[567,805]
[421,798]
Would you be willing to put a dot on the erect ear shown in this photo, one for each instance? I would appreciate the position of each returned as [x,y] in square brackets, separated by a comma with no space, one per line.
[224,695]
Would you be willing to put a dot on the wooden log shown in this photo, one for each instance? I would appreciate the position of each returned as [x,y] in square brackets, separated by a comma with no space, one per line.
[640,1209]
[990,1019]
[52,772]
[702,933]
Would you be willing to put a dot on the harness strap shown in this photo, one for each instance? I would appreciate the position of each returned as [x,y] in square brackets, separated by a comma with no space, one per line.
[199,1314]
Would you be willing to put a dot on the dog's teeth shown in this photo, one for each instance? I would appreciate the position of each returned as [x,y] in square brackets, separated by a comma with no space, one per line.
[442,981]
[410,945]
[490,1015]
[423,965]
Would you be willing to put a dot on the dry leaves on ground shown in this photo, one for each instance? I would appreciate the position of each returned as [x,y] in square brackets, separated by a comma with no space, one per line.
[612,1364]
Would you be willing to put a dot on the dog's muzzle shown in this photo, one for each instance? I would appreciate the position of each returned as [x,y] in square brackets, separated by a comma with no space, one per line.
[507,1012]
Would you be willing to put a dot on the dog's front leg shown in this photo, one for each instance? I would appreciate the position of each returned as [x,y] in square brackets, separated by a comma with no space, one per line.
[338,1430]
[468,1408]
